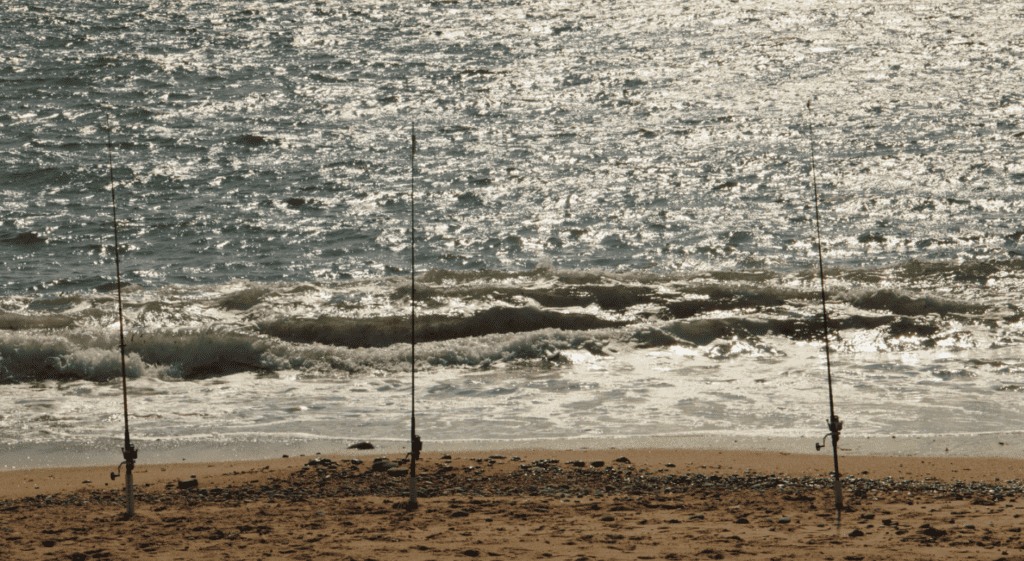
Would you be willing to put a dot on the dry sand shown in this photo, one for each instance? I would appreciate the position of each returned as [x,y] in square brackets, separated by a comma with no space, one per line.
[707,505]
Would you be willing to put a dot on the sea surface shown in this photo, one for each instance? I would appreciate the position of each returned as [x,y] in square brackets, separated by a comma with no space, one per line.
[614,218]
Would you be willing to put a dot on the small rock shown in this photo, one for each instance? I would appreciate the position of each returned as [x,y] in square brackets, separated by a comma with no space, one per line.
[597,463]
[361,446]
[742,520]
[49,543]
[384,466]
[856,534]
[190,484]
[398,472]
[784,520]
[622,460]
[471,553]
[934,532]
[458,514]
[608,519]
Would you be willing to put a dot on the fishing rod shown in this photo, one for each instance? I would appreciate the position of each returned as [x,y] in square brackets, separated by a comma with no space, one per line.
[129,451]
[834,424]
[416,443]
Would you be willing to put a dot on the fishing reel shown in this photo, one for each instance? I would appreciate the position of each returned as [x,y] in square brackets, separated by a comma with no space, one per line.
[131,453]
[834,426]
[417,447]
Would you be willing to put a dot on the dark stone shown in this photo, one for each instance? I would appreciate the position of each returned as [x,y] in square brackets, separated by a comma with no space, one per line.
[459,514]
[190,484]
[361,446]
[597,463]
[471,553]
[934,532]
[623,460]
[608,519]
[384,466]
[856,534]
[398,472]
[742,520]
[49,543]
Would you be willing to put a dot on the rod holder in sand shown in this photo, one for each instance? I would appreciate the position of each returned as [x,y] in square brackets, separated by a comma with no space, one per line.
[130,452]
[834,424]
[414,440]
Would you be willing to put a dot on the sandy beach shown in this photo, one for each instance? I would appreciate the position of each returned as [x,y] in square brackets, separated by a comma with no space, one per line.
[527,504]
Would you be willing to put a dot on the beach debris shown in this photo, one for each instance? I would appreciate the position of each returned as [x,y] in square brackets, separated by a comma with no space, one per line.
[362,446]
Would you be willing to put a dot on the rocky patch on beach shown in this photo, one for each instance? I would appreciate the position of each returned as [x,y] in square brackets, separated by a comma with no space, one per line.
[507,507]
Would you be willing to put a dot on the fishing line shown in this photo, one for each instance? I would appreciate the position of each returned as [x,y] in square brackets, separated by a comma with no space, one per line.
[416,443]
[129,451]
[834,424]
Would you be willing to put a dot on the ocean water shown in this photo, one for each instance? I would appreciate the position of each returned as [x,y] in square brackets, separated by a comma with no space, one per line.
[614,218]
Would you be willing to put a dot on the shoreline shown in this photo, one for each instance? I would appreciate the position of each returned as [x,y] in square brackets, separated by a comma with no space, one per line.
[19,456]
[35,482]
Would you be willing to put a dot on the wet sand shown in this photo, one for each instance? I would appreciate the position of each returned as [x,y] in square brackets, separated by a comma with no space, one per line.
[532,504]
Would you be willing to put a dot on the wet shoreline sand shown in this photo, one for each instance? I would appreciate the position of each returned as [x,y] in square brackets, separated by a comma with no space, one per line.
[526,504]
